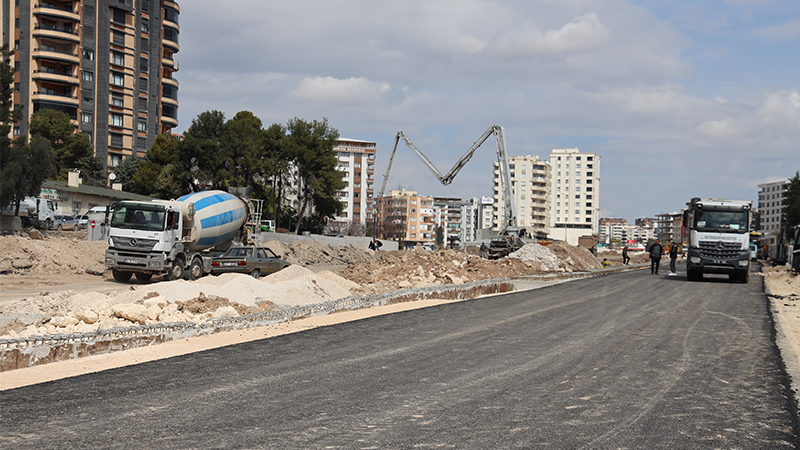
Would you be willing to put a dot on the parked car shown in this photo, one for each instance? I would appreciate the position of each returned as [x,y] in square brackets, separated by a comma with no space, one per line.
[256,261]
[83,221]
[65,222]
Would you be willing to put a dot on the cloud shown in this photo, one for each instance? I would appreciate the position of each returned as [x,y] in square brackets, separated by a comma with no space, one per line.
[786,31]
[333,89]
[579,34]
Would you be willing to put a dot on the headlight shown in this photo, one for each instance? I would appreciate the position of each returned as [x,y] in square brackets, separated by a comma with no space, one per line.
[110,261]
[110,242]
[155,264]
[743,262]
[695,259]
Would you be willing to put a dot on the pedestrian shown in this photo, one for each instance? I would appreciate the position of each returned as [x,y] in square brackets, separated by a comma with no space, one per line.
[625,258]
[484,250]
[673,258]
[655,257]
[606,263]
[372,245]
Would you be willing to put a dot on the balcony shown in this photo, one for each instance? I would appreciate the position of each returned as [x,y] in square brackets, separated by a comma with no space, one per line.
[169,80]
[57,11]
[55,97]
[54,54]
[52,75]
[56,32]
[170,62]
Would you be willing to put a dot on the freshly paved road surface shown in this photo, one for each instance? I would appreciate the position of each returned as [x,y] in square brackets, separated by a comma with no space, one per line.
[631,360]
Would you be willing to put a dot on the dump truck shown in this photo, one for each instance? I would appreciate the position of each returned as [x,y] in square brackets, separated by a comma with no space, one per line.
[719,238]
[162,237]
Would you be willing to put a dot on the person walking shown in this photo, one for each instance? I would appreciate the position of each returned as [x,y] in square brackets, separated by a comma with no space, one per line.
[655,257]
[625,258]
[484,250]
[673,258]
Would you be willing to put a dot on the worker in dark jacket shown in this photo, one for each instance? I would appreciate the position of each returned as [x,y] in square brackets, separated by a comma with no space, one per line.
[673,258]
[655,257]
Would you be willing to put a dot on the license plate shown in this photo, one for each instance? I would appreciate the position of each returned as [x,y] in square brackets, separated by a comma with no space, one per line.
[131,261]
[229,264]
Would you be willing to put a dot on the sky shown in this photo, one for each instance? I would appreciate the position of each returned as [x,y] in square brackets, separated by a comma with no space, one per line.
[680,98]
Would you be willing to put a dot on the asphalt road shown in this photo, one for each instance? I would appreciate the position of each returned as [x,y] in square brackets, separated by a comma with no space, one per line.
[631,360]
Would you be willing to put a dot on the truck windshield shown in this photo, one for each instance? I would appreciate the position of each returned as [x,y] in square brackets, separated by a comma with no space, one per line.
[721,221]
[140,217]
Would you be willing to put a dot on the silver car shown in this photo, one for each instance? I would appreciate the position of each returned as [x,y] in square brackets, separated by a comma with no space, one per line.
[253,260]
[65,222]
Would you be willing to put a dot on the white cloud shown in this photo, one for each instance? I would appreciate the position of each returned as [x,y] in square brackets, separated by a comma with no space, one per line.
[720,129]
[786,31]
[579,34]
[333,89]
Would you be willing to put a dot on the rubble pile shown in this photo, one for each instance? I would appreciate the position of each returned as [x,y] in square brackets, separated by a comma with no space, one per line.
[418,267]
[535,252]
[309,253]
[574,258]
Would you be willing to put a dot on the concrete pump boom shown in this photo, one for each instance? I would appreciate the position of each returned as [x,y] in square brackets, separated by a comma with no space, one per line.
[502,158]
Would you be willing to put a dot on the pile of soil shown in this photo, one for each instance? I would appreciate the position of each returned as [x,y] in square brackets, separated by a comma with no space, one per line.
[54,253]
[310,253]
[393,270]
[574,258]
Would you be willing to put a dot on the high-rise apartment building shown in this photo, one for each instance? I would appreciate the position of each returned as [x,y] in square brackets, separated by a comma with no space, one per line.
[357,161]
[108,64]
[449,214]
[406,215]
[575,194]
[770,208]
[530,185]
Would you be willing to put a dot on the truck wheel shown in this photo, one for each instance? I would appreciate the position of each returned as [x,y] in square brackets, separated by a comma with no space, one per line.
[48,224]
[796,262]
[143,276]
[196,269]
[744,277]
[255,274]
[693,275]
[176,272]
[122,277]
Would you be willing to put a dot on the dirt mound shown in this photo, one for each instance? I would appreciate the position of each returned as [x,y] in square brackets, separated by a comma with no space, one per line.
[316,253]
[418,267]
[574,258]
[56,253]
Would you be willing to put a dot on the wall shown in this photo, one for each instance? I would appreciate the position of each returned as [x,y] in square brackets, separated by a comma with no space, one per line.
[357,242]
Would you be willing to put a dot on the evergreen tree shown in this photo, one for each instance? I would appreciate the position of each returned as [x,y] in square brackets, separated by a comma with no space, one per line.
[791,203]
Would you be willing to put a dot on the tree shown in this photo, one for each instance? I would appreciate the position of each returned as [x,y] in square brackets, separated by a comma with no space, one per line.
[791,202]
[93,172]
[32,164]
[126,171]
[201,153]
[160,175]
[310,147]
[68,147]
[8,116]
[243,143]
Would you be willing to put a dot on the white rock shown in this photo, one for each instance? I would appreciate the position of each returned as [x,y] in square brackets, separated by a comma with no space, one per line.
[133,312]
[159,301]
[226,311]
[153,311]
[63,321]
[87,315]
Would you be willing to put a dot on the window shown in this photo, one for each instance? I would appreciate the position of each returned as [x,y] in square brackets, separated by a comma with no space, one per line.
[588,204]
[589,158]
[117,100]
[115,119]
[86,117]
[117,58]
[117,79]
[119,16]
[114,159]
[141,125]
[588,189]
[88,75]
[16,130]
[88,54]
[143,64]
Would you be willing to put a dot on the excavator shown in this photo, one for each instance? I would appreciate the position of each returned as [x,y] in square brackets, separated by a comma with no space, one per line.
[511,237]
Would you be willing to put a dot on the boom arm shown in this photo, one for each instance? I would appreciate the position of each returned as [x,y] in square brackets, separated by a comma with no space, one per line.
[502,158]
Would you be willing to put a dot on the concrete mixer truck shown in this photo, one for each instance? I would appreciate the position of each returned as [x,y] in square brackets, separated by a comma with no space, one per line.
[166,237]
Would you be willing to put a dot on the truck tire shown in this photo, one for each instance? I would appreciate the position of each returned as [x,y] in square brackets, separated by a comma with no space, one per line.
[694,275]
[143,276]
[122,277]
[744,277]
[196,269]
[796,262]
[176,272]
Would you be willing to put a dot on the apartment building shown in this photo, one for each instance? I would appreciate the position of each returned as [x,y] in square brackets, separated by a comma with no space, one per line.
[530,186]
[449,214]
[770,207]
[107,64]
[404,214]
[357,161]
[612,230]
[575,194]
[669,227]
[477,215]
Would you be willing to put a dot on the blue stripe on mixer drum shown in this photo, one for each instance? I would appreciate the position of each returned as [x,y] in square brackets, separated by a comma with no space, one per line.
[222,219]
[214,240]
[212,200]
